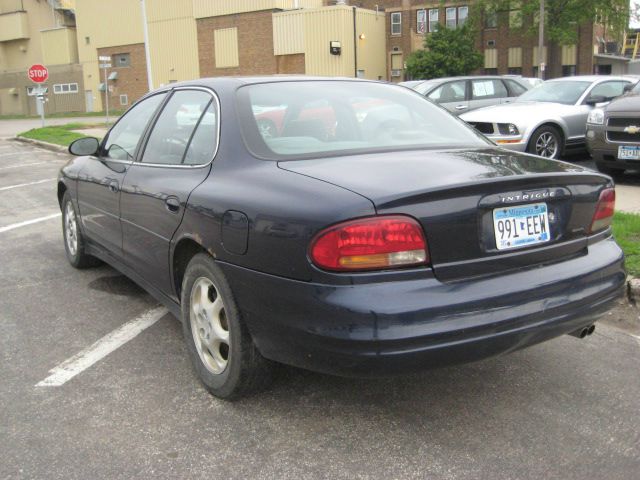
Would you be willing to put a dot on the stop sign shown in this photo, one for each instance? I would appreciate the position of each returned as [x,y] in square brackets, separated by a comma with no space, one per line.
[38,73]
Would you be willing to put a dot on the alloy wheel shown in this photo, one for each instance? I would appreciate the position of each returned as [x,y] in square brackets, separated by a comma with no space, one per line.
[547,145]
[209,325]
[71,229]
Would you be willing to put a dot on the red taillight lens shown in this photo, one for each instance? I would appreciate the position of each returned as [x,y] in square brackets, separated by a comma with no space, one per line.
[604,210]
[374,243]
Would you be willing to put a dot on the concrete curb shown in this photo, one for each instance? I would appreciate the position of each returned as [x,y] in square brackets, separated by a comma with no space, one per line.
[41,144]
[633,290]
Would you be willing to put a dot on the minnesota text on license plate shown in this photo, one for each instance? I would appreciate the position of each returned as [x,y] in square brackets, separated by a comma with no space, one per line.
[629,152]
[521,226]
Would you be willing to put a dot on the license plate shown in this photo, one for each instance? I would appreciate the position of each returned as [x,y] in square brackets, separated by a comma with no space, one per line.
[521,226]
[629,152]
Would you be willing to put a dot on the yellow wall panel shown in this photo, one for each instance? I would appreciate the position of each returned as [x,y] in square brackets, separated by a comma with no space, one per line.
[372,48]
[59,46]
[321,27]
[10,6]
[158,10]
[288,32]
[515,57]
[226,47]
[535,56]
[14,26]
[491,58]
[173,57]
[569,55]
[214,8]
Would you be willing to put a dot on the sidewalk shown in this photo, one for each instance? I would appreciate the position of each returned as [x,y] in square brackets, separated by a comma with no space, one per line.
[628,198]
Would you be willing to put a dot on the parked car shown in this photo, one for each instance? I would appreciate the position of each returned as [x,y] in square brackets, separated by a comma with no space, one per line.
[551,117]
[352,249]
[463,94]
[613,134]
[529,81]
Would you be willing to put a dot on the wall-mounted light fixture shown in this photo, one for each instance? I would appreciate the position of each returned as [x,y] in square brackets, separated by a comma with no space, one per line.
[362,36]
[335,47]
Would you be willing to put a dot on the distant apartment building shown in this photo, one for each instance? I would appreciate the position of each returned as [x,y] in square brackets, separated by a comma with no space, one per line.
[198,38]
[39,31]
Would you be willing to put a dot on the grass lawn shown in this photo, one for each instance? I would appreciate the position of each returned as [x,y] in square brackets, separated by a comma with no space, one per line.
[59,134]
[626,230]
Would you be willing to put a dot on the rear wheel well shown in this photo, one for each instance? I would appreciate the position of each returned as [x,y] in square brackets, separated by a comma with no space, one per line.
[185,250]
[62,188]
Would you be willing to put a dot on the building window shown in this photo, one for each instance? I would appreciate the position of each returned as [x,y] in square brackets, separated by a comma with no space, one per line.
[421,21]
[124,100]
[463,14]
[514,70]
[63,88]
[515,14]
[122,60]
[490,71]
[433,20]
[490,18]
[568,70]
[450,18]
[396,23]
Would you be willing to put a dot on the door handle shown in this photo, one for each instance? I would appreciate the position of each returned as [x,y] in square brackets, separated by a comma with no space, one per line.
[113,186]
[461,107]
[172,204]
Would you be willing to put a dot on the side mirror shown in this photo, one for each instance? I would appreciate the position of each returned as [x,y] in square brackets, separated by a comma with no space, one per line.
[595,99]
[84,146]
[628,87]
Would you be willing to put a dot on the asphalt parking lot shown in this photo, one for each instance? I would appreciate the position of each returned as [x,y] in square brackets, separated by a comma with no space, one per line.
[564,409]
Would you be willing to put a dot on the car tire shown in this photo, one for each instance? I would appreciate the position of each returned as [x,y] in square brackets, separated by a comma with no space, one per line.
[612,172]
[74,242]
[219,344]
[546,141]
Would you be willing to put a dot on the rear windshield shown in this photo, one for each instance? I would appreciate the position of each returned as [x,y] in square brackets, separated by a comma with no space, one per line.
[307,119]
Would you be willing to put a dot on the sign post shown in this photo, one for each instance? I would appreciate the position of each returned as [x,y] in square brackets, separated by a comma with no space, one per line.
[38,74]
[105,62]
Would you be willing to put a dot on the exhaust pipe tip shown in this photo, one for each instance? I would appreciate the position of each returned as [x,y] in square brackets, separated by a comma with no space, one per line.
[583,332]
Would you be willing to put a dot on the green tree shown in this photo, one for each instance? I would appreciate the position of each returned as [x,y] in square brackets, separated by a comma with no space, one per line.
[447,52]
[562,17]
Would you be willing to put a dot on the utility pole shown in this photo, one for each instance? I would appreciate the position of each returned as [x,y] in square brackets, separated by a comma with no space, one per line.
[147,55]
[541,64]
[105,63]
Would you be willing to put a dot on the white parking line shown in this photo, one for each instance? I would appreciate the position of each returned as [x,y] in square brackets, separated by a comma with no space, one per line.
[103,347]
[22,165]
[27,184]
[13,226]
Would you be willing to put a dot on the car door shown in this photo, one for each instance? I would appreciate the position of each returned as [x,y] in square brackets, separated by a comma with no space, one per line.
[577,121]
[486,92]
[176,158]
[452,96]
[101,179]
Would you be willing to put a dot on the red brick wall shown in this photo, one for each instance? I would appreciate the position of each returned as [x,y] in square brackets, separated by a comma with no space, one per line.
[132,80]
[255,44]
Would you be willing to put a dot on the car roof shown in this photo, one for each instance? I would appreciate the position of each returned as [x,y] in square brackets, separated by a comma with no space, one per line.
[249,80]
[591,78]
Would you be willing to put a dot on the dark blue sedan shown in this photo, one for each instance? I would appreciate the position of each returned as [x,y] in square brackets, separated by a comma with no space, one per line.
[343,226]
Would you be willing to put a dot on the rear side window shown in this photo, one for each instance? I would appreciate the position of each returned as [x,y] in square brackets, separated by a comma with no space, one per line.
[487,89]
[204,140]
[125,135]
[175,126]
[608,89]
[449,92]
[515,87]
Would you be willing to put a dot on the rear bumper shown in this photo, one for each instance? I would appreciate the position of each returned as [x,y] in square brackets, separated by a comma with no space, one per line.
[375,329]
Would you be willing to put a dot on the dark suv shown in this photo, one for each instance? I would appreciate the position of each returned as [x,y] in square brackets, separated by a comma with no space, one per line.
[613,134]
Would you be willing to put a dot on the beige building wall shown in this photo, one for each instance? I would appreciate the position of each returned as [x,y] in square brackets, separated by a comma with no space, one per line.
[216,8]
[59,46]
[370,31]
[102,24]
[173,41]
[20,44]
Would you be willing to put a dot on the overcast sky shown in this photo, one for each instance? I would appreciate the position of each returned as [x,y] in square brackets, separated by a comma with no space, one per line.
[634,22]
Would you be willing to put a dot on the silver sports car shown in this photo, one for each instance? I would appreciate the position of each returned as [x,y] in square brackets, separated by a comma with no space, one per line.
[550,118]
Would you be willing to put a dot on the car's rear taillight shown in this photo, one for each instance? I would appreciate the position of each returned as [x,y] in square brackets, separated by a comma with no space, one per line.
[604,210]
[373,243]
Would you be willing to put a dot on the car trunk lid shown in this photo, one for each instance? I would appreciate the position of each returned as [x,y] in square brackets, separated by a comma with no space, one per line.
[454,193]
